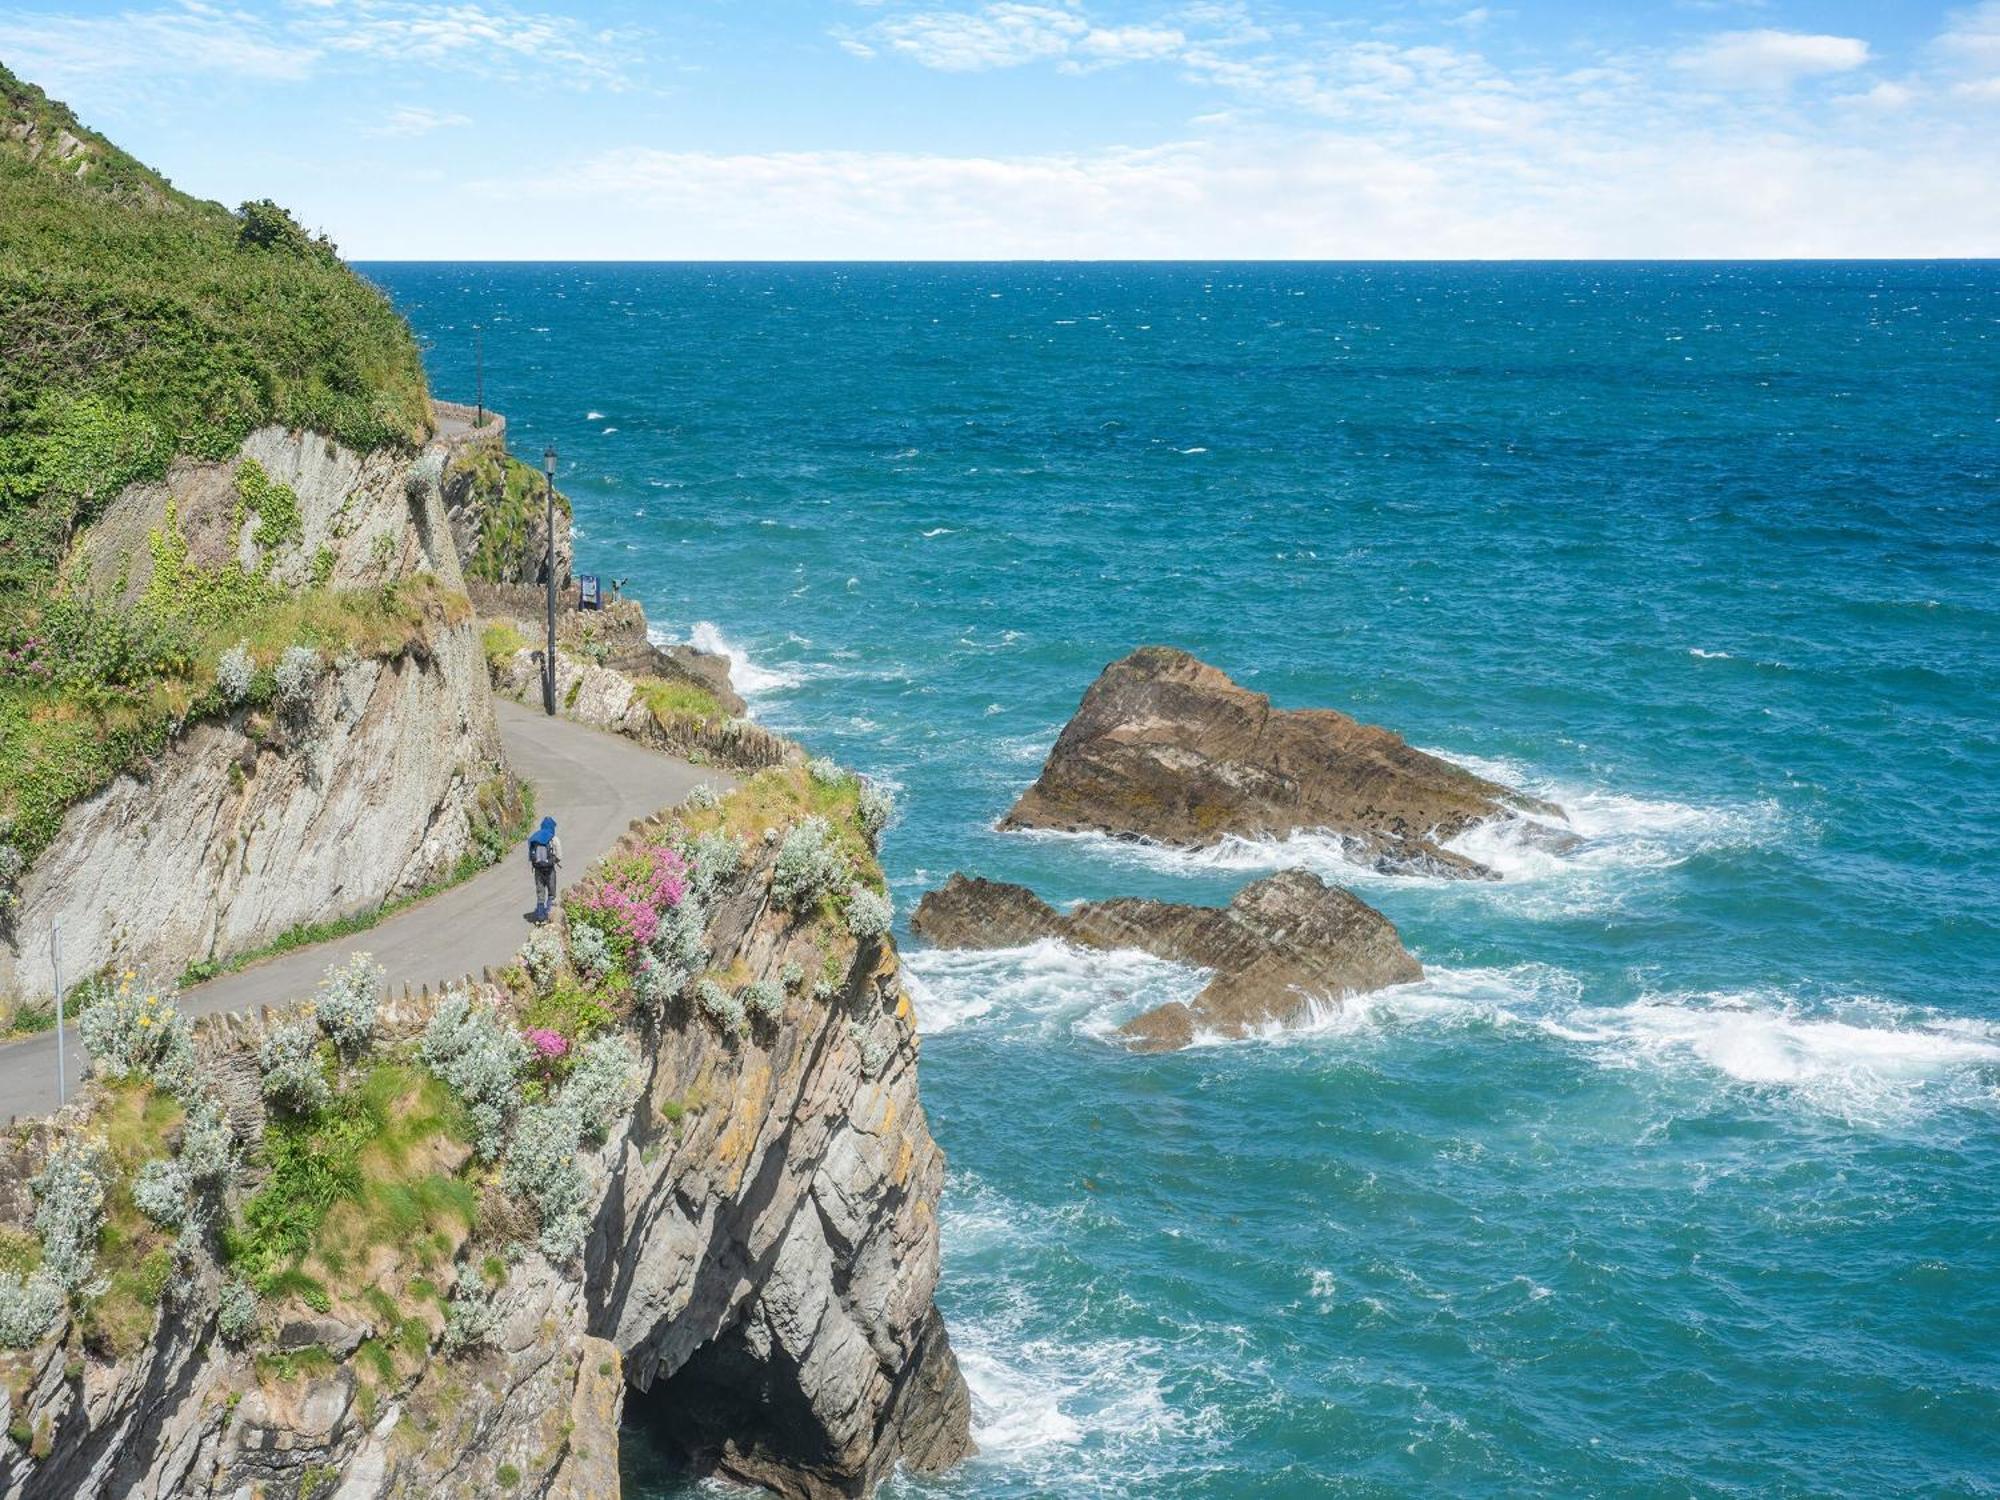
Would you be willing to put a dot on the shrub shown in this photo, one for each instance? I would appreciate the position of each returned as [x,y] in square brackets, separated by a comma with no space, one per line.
[809,866]
[712,858]
[29,1306]
[466,1045]
[542,1167]
[295,678]
[235,672]
[470,1317]
[545,1047]
[164,1192]
[792,976]
[659,983]
[827,772]
[600,1087]
[704,798]
[625,899]
[542,959]
[874,809]
[874,1052]
[69,1212]
[683,934]
[868,915]
[719,1006]
[348,998]
[591,953]
[208,1148]
[139,1033]
[236,1311]
[762,999]
[293,1077]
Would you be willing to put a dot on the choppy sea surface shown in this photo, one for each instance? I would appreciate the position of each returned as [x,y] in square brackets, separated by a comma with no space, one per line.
[1680,1172]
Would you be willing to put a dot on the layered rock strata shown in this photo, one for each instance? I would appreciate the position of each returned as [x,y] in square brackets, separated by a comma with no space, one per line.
[1165,747]
[1282,947]
[757,1280]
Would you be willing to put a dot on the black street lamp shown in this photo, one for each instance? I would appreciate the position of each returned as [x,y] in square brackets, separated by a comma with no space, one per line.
[549,575]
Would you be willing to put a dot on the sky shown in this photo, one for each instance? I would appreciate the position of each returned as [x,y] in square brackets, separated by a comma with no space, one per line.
[1091,129]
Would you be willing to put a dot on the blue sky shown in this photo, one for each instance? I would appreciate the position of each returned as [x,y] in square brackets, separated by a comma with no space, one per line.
[907,129]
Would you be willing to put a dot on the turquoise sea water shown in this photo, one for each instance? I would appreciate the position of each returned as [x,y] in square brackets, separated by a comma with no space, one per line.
[1679,1173]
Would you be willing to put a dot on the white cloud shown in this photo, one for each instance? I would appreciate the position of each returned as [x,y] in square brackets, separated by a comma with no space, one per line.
[62,52]
[1969,49]
[1000,36]
[193,38]
[1768,59]
[1321,194]
[410,119]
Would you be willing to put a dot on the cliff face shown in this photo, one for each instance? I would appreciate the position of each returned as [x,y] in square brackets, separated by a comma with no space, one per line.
[756,1276]
[251,823]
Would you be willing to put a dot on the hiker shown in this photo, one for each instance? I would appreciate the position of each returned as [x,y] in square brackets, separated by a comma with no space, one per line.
[544,857]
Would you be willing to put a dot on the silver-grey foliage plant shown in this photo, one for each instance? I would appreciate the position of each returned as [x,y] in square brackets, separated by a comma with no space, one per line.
[164,1192]
[349,996]
[139,1032]
[868,915]
[235,672]
[69,1212]
[29,1306]
[542,1167]
[809,866]
[480,1058]
[289,1061]
[601,1085]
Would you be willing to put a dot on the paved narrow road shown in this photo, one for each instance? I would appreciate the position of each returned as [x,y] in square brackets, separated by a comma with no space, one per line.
[592,783]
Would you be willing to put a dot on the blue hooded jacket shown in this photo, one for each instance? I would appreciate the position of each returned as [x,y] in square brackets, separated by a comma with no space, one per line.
[545,833]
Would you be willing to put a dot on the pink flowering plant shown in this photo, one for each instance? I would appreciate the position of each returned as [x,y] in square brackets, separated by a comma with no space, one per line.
[546,1049]
[626,898]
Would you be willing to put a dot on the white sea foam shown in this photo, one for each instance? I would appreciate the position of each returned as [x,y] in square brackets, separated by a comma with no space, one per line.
[1618,833]
[1709,655]
[751,680]
[1860,1058]
[1043,988]
[938,531]
[593,416]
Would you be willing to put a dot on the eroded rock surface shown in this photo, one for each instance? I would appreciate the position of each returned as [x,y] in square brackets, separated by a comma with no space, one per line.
[1166,747]
[1283,945]
[757,1279]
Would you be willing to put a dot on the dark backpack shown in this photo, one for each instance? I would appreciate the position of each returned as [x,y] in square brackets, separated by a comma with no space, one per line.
[541,856]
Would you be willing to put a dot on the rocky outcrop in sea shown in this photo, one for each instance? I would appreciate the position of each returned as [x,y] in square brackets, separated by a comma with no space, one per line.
[1166,747]
[1282,946]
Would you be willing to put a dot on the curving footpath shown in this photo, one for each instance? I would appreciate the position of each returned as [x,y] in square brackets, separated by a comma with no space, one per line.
[593,783]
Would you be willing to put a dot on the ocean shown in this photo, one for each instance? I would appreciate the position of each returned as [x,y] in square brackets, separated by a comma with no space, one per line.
[1678,1174]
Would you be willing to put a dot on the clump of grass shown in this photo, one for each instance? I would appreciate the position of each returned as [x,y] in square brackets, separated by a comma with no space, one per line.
[668,700]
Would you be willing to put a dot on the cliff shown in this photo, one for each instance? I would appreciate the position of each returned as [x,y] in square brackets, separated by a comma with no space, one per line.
[1282,947]
[240,684]
[367,1305]
[1166,747]
[257,805]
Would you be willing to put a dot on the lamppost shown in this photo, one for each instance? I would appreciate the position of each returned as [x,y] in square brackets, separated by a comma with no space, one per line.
[549,575]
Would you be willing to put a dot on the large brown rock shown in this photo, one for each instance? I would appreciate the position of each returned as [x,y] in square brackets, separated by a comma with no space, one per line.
[1283,945]
[1166,747]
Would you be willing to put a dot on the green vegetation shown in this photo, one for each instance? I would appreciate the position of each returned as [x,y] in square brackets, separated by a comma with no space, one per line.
[138,323]
[667,701]
[512,501]
[501,641]
[375,1167]
[135,1256]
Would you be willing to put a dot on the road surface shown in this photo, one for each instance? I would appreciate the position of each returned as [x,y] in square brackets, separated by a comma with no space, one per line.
[591,782]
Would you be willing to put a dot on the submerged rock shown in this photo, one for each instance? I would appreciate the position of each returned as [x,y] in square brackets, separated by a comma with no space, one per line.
[1166,747]
[1282,944]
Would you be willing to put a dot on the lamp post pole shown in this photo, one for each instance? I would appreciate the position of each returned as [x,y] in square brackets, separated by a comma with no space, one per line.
[549,576]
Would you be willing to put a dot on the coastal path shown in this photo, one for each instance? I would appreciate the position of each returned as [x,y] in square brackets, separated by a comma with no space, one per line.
[591,782]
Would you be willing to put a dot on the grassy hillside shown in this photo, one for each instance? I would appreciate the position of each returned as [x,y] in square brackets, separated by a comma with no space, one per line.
[138,323]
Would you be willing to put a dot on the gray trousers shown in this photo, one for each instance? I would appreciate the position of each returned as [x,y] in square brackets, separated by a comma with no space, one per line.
[545,887]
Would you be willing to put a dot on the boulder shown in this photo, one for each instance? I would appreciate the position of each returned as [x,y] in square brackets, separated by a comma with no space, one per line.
[1165,747]
[1280,948]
